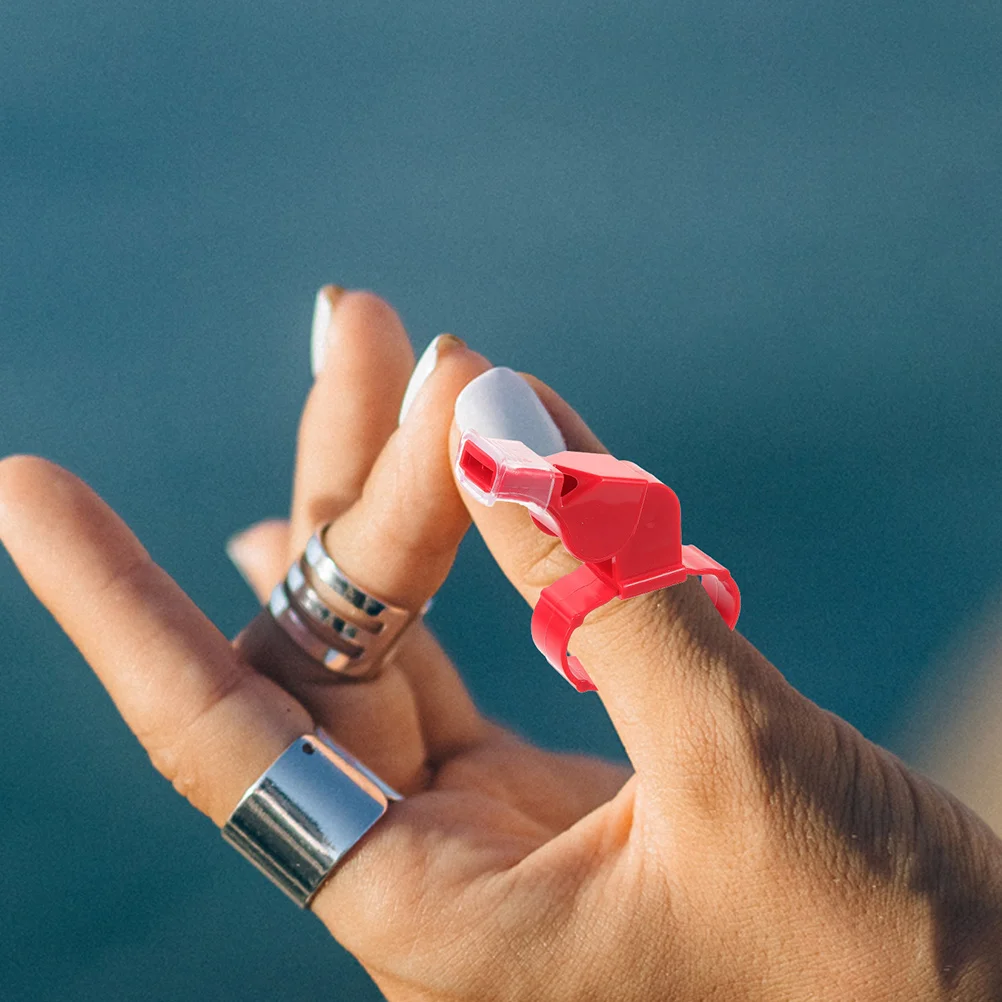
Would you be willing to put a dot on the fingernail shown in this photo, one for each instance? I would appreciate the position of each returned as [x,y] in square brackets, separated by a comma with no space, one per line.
[425,367]
[323,333]
[234,550]
[499,403]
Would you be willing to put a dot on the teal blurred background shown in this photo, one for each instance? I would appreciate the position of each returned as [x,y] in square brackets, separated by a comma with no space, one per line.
[758,245]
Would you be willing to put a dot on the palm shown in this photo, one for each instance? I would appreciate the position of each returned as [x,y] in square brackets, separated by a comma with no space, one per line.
[494,843]
[482,807]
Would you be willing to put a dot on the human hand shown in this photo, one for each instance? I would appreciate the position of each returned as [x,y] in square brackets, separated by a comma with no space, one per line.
[763,849]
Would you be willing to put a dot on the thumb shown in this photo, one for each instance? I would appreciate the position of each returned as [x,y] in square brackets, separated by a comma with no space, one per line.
[674,679]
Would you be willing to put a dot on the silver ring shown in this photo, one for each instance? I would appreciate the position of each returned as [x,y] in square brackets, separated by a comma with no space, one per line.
[352,640]
[338,658]
[301,816]
[317,558]
[309,600]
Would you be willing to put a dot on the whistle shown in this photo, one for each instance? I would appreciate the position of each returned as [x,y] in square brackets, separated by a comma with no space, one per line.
[622,523]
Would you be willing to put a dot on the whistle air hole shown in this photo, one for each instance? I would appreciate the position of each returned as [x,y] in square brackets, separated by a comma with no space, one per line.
[479,467]
[568,485]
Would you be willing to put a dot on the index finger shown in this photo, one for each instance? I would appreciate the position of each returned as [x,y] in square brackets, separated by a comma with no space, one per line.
[210,724]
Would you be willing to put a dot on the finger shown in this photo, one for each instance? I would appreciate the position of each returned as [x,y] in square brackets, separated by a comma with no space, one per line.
[384,711]
[413,699]
[209,723]
[666,666]
[363,360]
[397,541]
[402,533]
[448,720]
[377,720]
[449,852]
[260,554]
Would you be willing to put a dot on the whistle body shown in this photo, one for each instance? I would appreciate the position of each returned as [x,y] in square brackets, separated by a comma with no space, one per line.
[622,523]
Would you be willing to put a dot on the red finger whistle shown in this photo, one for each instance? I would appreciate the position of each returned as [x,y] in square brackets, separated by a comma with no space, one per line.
[621,522]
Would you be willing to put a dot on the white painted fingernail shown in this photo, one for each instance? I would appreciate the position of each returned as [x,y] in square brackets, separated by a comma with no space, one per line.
[424,368]
[499,403]
[323,332]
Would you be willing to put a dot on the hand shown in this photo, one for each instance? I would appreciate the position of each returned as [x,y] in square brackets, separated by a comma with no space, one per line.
[763,849]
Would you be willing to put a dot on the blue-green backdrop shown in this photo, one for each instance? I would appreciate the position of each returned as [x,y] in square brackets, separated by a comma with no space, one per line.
[757,244]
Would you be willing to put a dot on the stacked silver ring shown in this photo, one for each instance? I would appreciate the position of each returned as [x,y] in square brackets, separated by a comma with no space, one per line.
[346,629]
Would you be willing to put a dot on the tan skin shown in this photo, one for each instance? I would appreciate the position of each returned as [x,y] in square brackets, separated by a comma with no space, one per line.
[762,850]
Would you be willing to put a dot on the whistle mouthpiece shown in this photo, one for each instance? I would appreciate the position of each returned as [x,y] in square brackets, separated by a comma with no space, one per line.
[494,469]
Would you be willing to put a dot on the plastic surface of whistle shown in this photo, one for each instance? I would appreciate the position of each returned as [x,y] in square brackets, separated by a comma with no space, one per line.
[622,523]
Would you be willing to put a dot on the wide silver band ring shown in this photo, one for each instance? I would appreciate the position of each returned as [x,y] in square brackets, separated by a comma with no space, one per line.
[308,809]
[345,628]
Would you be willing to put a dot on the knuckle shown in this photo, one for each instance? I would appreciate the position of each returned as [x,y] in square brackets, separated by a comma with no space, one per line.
[126,577]
[670,621]
[183,768]
[543,561]
[184,757]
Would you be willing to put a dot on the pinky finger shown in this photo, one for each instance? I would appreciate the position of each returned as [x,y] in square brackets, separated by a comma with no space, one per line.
[211,724]
[261,555]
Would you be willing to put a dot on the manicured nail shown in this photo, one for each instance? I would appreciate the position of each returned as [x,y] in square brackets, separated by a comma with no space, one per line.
[499,403]
[235,551]
[323,332]
[425,367]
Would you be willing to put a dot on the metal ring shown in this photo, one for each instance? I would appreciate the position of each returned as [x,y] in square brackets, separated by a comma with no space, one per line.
[301,816]
[309,601]
[320,561]
[352,641]
[337,658]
